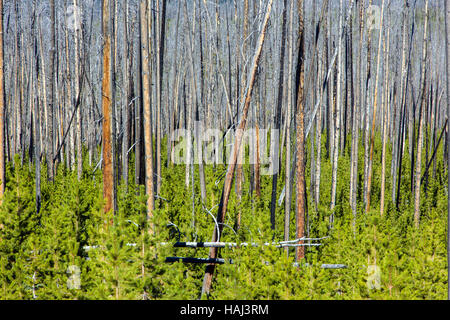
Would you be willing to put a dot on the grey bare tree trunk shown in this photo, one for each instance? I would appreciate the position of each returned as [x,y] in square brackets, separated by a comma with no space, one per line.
[107,148]
[385,104]
[146,80]
[357,115]
[2,110]
[36,124]
[338,112]
[395,156]
[50,121]
[421,120]
[125,95]
[366,105]
[78,45]
[288,178]
[447,55]
[300,128]
[276,157]
[161,31]
[374,112]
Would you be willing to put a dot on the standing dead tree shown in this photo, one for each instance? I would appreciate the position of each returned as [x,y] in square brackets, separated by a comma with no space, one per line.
[2,111]
[108,168]
[421,120]
[213,253]
[374,112]
[146,80]
[300,128]
[447,55]
[50,120]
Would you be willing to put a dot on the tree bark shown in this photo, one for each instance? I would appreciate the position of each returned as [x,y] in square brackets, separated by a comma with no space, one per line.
[276,156]
[300,127]
[2,111]
[50,141]
[146,80]
[385,104]
[447,55]
[374,115]
[213,253]
[108,170]
[422,109]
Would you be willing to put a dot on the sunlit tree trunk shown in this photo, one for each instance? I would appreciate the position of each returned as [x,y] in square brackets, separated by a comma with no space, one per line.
[146,79]
[213,253]
[50,142]
[2,111]
[447,55]
[422,109]
[300,128]
[385,104]
[288,178]
[108,169]
[374,112]
[276,157]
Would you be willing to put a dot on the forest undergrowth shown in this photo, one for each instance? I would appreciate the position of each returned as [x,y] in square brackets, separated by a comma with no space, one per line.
[72,250]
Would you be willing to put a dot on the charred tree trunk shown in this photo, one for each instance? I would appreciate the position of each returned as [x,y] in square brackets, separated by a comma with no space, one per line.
[2,111]
[276,157]
[108,169]
[213,253]
[300,128]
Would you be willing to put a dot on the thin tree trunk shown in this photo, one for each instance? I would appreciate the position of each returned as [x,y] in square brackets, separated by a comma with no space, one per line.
[213,253]
[374,115]
[50,142]
[447,55]
[338,113]
[385,104]
[161,31]
[276,157]
[367,104]
[108,169]
[78,45]
[356,117]
[2,111]
[300,128]
[146,76]
[422,109]
[125,95]
[288,178]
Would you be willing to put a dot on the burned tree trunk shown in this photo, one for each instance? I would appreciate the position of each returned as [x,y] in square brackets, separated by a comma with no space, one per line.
[213,253]
[300,128]
[146,79]
[2,111]
[108,169]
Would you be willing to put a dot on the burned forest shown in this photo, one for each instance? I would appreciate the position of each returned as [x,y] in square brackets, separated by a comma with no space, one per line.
[224,149]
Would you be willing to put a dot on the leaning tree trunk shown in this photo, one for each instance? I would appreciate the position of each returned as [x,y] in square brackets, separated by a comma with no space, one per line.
[300,127]
[213,253]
